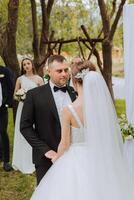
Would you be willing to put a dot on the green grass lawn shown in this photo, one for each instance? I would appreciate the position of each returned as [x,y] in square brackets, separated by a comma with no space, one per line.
[17,186]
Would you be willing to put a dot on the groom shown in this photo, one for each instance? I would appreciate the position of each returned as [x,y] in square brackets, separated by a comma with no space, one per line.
[41,114]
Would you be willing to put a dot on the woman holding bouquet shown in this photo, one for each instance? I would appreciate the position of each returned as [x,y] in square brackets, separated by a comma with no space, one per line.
[22,151]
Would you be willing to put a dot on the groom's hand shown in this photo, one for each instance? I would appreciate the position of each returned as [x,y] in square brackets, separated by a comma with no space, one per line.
[55,158]
[51,154]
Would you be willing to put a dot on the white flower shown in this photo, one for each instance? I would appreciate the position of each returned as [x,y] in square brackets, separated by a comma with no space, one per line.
[126,126]
[45,80]
[20,95]
[20,92]
[82,74]
[129,137]
[23,97]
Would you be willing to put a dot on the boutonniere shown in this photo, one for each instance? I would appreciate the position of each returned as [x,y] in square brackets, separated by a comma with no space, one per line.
[2,75]
[46,78]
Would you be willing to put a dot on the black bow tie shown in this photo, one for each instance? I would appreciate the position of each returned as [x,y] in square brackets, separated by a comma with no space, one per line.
[63,89]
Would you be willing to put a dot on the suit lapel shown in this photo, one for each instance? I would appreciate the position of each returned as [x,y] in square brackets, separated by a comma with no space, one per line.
[71,93]
[51,102]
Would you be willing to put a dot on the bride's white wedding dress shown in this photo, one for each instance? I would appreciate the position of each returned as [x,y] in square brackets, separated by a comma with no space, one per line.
[77,175]
[22,151]
[129,153]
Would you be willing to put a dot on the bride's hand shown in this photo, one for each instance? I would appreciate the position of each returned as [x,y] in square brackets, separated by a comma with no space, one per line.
[54,158]
[50,154]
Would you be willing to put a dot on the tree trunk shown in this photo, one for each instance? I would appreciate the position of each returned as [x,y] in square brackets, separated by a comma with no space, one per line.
[2,42]
[40,45]
[45,30]
[35,34]
[109,32]
[107,64]
[9,54]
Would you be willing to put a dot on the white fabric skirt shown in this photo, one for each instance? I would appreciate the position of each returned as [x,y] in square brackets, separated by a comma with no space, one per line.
[129,153]
[72,177]
[22,151]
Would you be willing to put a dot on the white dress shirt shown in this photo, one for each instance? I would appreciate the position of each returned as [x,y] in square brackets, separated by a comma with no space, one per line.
[0,95]
[62,99]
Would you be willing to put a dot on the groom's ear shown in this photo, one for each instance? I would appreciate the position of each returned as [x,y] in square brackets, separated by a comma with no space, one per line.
[48,70]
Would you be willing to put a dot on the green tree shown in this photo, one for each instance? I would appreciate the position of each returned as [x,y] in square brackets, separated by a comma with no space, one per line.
[8,52]
[24,29]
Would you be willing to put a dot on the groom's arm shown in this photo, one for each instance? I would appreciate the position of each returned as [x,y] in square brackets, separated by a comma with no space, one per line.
[26,126]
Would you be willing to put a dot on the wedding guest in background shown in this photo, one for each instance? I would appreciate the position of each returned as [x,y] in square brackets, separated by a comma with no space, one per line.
[6,96]
[22,151]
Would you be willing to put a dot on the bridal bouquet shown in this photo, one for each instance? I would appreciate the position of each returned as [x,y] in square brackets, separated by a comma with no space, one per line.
[20,95]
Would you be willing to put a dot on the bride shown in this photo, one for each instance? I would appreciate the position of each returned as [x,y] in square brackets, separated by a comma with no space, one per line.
[89,164]
[22,151]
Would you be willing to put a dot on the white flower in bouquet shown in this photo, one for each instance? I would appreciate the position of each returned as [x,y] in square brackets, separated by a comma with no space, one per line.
[127,129]
[129,137]
[20,95]
[126,126]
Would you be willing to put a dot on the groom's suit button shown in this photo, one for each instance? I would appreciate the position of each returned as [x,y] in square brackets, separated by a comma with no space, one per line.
[63,89]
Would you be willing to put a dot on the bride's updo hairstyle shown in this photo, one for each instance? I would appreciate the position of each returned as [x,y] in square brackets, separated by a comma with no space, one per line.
[81,69]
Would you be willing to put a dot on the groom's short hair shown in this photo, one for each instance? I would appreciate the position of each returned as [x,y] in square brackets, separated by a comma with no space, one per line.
[58,58]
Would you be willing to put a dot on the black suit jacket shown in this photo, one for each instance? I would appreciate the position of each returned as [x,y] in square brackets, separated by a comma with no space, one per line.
[7,86]
[40,123]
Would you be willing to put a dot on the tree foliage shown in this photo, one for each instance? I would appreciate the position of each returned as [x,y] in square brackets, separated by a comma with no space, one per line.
[66,19]
[42,21]
[24,30]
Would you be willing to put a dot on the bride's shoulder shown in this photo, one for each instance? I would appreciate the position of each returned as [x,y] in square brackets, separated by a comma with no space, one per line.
[66,110]
[66,114]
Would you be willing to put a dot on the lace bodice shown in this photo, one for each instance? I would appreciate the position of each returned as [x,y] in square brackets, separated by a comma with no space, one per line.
[77,134]
[26,83]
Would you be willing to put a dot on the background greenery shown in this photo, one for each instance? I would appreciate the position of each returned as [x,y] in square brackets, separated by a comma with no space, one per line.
[17,186]
[14,185]
[65,20]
